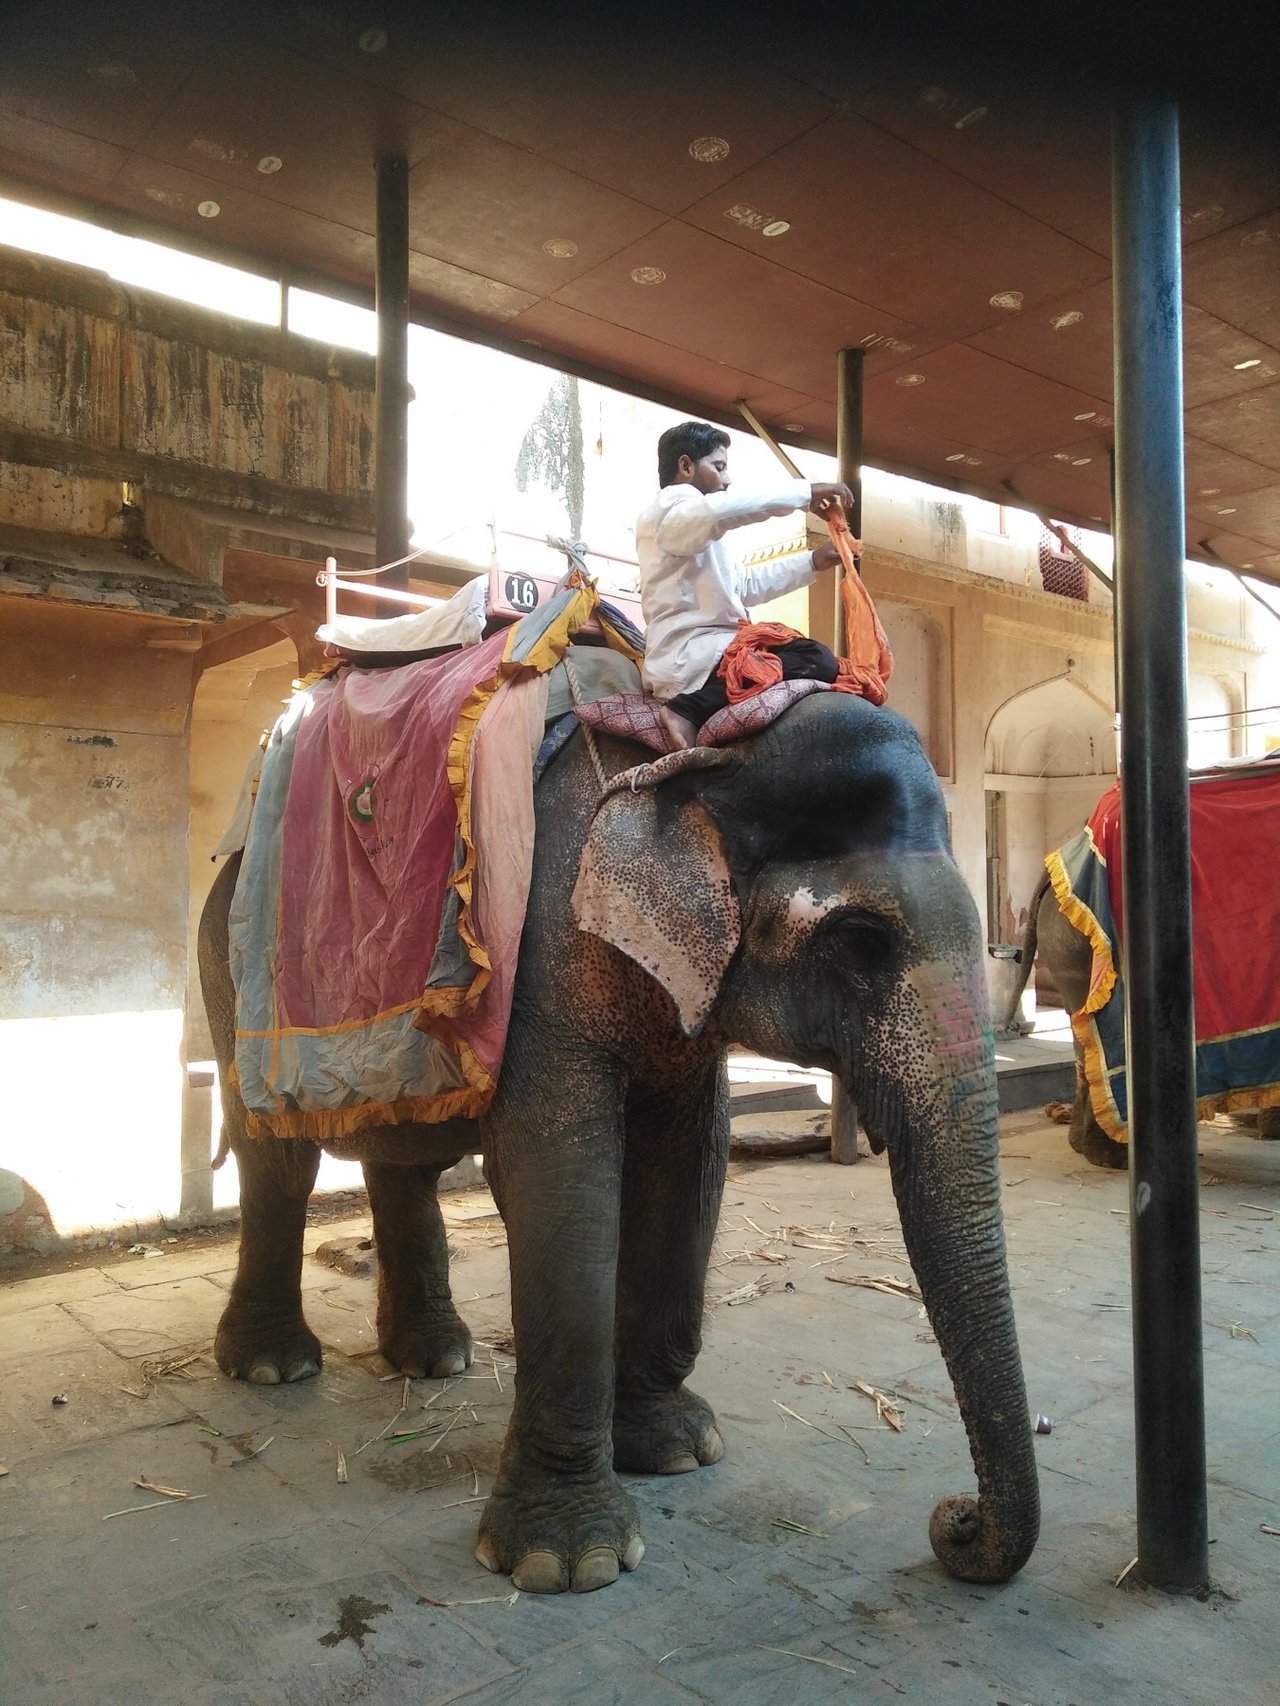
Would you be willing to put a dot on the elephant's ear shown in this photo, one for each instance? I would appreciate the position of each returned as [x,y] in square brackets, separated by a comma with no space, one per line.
[657,887]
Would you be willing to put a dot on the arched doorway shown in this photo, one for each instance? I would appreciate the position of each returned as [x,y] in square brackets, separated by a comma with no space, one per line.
[1050,752]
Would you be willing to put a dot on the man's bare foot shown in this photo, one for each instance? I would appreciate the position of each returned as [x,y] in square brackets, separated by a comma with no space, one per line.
[679,731]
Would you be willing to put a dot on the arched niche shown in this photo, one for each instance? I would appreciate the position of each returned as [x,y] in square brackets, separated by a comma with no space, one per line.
[1214,726]
[1058,728]
[1050,752]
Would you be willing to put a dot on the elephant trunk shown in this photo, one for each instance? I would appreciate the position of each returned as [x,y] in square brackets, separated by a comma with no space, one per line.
[944,1161]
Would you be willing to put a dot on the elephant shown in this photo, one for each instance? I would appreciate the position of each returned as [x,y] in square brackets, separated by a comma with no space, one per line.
[793,891]
[1069,958]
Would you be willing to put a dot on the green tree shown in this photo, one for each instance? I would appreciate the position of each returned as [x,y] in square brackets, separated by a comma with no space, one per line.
[551,450]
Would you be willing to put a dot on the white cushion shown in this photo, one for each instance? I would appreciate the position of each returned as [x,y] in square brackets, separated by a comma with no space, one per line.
[459,621]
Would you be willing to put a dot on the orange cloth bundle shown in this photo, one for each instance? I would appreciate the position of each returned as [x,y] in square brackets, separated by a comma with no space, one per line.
[749,666]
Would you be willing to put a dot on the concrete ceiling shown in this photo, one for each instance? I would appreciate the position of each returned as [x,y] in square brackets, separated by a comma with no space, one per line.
[708,205]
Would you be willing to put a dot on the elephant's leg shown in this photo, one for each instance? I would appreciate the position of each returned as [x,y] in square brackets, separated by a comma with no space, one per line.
[262,1335]
[673,1179]
[1085,1135]
[557,1516]
[419,1330]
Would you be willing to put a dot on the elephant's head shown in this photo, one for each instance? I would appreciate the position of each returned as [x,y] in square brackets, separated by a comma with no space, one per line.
[796,893]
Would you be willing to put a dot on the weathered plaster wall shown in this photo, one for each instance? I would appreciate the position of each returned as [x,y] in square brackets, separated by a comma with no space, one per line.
[124,414]
[93,809]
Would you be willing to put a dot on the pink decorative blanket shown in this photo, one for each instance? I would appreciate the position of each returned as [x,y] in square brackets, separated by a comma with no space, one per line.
[378,987]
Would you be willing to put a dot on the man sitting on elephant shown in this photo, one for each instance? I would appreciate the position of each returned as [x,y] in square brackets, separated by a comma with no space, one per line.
[695,595]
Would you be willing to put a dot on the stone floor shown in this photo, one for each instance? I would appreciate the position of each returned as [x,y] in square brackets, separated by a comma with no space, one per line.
[796,1570]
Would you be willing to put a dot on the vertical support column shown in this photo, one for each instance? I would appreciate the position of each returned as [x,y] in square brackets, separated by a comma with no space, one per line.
[849,379]
[844,1111]
[391,491]
[1151,645]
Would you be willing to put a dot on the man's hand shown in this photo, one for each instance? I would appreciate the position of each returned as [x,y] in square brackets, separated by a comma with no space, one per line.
[825,557]
[826,496]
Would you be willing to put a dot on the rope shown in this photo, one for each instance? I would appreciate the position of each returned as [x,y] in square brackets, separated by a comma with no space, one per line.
[574,549]
[363,574]
[575,689]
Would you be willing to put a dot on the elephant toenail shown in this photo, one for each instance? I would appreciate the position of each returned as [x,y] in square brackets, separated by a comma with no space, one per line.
[680,1464]
[263,1374]
[596,1569]
[454,1363]
[540,1572]
[633,1553]
[712,1448]
[487,1554]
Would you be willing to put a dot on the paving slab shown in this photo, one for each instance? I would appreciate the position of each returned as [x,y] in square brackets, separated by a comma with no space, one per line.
[796,1569]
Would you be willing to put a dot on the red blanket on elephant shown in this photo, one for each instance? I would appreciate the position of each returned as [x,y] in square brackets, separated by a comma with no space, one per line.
[1235,900]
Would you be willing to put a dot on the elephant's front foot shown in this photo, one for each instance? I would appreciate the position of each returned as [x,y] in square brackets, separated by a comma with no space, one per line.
[264,1347]
[1096,1147]
[667,1433]
[552,1532]
[430,1347]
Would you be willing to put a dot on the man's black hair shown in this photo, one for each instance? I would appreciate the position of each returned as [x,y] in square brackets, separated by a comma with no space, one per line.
[691,438]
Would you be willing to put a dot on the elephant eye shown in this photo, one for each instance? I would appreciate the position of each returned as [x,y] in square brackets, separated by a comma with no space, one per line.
[857,931]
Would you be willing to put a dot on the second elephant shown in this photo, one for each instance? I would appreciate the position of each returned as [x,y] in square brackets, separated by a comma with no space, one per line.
[1069,958]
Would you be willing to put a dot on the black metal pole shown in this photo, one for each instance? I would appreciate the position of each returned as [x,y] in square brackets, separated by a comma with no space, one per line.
[1151,642]
[849,379]
[844,1111]
[391,490]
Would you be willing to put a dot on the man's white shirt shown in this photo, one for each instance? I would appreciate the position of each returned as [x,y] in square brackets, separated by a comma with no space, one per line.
[692,591]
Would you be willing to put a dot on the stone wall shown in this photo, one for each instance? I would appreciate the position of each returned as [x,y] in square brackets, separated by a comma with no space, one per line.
[100,385]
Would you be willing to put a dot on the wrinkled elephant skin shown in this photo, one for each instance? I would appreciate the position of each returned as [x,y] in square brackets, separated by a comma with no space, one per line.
[794,893]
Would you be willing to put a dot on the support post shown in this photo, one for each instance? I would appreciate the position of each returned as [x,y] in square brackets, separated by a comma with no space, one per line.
[844,1111]
[1151,646]
[849,385]
[391,488]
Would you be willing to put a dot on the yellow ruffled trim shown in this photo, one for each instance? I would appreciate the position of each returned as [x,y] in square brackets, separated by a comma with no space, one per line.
[1104,1108]
[1102,980]
[1239,1101]
[1102,972]
[438,1005]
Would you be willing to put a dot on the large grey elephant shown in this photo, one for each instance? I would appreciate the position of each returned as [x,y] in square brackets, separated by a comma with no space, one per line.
[1069,958]
[793,892]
